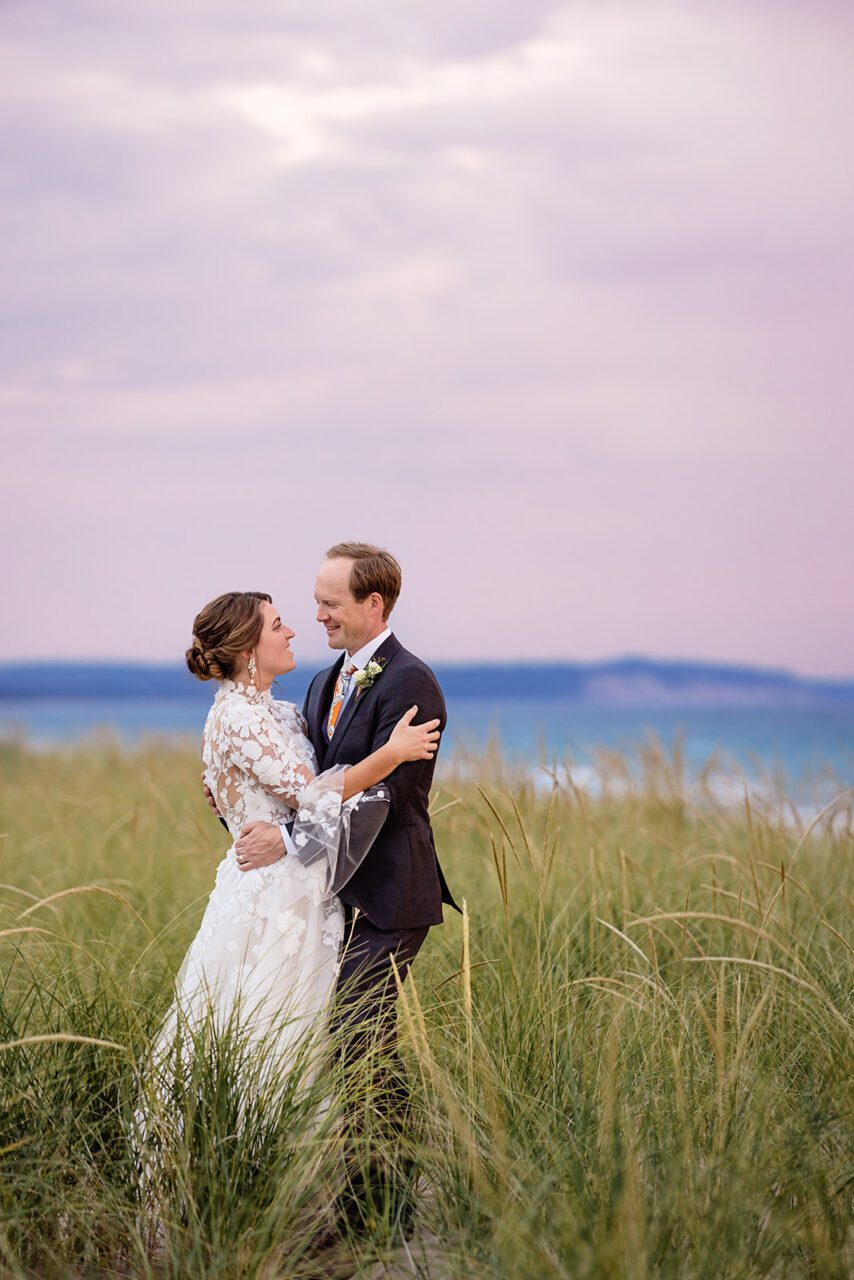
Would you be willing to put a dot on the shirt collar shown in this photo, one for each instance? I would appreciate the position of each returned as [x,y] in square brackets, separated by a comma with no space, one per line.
[363,656]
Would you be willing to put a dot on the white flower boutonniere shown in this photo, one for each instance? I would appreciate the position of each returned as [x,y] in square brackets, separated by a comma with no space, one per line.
[365,676]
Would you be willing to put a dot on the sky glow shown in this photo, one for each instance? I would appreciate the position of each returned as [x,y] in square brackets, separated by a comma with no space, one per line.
[554,300]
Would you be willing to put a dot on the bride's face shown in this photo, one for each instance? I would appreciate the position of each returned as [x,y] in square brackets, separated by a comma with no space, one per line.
[273,650]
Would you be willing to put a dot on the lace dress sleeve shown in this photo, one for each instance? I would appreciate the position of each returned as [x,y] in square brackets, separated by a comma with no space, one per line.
[270,752]
[261,752]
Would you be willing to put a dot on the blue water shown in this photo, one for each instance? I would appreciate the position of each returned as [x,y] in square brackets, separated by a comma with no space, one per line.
[804,744]
[800,742]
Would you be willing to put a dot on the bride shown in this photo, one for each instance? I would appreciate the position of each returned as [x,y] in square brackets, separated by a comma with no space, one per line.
[265,958]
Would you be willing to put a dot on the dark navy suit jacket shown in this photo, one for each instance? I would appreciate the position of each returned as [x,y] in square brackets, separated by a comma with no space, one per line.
[400,884]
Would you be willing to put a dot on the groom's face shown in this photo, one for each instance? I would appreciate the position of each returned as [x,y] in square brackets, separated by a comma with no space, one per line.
[349,623]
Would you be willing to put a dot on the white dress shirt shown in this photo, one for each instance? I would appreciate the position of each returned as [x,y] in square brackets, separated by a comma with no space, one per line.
[361,658]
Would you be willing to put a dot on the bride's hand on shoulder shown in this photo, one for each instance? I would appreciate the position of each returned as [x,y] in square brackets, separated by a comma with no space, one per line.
[414,741]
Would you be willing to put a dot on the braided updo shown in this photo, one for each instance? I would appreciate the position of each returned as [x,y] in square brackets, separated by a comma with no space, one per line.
[223,631]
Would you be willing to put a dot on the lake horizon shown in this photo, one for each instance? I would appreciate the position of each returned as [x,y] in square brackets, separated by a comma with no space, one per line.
[807,745]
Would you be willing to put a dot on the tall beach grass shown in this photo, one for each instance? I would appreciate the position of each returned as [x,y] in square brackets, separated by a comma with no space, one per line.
[632,1056]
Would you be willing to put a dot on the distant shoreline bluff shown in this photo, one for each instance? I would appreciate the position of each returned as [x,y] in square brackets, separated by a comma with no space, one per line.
[624,682]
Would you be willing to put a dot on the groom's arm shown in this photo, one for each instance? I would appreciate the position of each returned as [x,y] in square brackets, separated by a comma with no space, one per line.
[209,796]
[270,842]
[308,694]
[262,843]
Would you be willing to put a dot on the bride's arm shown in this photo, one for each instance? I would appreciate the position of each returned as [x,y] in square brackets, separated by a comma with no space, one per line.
[266,751]
[407,742]
[262,843]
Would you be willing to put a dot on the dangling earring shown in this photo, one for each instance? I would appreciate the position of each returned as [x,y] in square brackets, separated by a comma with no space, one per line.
[253,668]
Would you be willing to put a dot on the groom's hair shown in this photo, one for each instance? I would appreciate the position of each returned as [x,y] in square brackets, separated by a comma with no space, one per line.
[373,570]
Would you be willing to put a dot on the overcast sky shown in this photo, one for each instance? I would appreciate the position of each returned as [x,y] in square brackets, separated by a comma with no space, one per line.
[554,300]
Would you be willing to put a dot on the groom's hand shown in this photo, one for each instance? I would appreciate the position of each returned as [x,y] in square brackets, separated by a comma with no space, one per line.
[259,845]
[209,796]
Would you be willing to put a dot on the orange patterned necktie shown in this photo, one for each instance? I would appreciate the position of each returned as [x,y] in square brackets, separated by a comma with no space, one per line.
[342,684]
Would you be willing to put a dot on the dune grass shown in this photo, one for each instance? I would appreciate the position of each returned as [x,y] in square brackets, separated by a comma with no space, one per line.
[631,1057]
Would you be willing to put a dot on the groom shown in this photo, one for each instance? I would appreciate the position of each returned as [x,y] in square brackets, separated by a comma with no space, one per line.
[351,709]
[398,891]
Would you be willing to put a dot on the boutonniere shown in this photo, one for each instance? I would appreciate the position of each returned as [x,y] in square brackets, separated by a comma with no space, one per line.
[365,676]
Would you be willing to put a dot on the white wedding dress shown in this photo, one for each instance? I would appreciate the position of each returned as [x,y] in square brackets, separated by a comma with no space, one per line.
[255,985]
[266,956]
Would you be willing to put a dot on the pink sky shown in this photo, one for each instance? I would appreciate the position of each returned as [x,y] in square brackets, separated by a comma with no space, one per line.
[555,301]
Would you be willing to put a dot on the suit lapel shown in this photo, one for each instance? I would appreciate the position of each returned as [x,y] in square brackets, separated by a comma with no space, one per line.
[320,710]
[357,699]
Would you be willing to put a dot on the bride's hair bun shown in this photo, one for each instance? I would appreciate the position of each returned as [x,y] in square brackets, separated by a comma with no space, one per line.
[225,629]
[199,662]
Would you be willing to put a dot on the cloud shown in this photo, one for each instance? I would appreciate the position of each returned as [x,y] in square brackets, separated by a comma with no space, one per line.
[554,298]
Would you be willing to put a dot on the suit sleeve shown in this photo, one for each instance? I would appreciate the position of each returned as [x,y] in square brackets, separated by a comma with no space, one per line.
[415,687]
[308,699]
